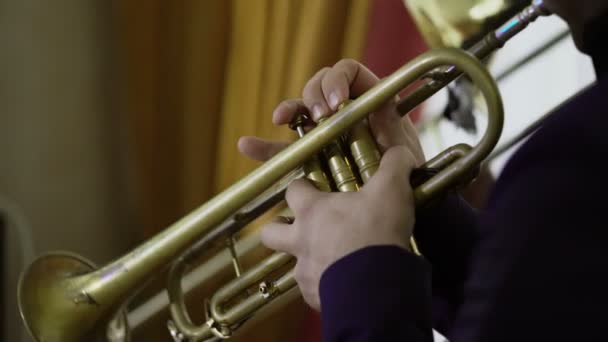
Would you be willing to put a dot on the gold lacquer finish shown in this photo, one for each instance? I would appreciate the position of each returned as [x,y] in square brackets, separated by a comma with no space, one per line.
[312,168]
[364,151]
[63,297]
[341,170]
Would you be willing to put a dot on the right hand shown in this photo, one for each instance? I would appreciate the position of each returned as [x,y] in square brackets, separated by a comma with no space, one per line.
[322,95]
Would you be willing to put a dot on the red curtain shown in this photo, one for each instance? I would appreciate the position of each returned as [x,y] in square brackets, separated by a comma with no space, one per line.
[392,40]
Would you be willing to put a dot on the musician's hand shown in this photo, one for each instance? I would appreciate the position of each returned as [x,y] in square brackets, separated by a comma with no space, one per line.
[329,226]
[321,97]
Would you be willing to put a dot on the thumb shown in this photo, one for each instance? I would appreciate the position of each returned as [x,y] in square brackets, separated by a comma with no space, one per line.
[260,149]
[394,172]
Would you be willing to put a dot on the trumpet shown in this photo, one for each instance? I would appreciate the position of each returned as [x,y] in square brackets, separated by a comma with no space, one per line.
[64,297]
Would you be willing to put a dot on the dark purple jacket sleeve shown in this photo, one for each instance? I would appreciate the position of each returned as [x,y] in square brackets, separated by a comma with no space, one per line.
[532,267]
[365,299]
[533,272]
[376,313]
[446,235]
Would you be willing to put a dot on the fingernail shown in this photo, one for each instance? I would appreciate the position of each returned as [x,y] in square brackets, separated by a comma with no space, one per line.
[334,101]
[317,112]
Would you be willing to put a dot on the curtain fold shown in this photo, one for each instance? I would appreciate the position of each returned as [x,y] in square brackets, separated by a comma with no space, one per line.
[275,47]
[200,74]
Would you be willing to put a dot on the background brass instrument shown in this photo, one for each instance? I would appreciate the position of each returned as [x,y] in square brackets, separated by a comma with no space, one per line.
[445,23]
[63,297]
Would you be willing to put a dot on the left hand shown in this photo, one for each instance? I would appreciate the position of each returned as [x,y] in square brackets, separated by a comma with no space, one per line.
[329,226]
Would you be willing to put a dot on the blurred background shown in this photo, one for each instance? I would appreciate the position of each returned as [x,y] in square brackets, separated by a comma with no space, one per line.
[119,117]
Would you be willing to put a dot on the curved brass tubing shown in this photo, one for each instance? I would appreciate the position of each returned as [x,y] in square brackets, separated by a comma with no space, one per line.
[452,165]
[63,297]
[77,302]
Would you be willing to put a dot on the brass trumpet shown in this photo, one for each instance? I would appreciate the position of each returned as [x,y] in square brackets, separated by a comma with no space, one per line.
[63,297]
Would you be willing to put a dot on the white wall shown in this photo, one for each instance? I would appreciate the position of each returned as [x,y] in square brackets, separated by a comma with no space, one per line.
[529,93]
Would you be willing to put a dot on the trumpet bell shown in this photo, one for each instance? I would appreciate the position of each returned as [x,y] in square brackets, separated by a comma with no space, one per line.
[45,304]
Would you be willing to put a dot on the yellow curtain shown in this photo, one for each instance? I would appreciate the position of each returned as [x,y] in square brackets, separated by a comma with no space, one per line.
[200,74]
[276,46]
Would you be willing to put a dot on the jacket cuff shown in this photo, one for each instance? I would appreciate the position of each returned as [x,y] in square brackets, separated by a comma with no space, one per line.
[378,288]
